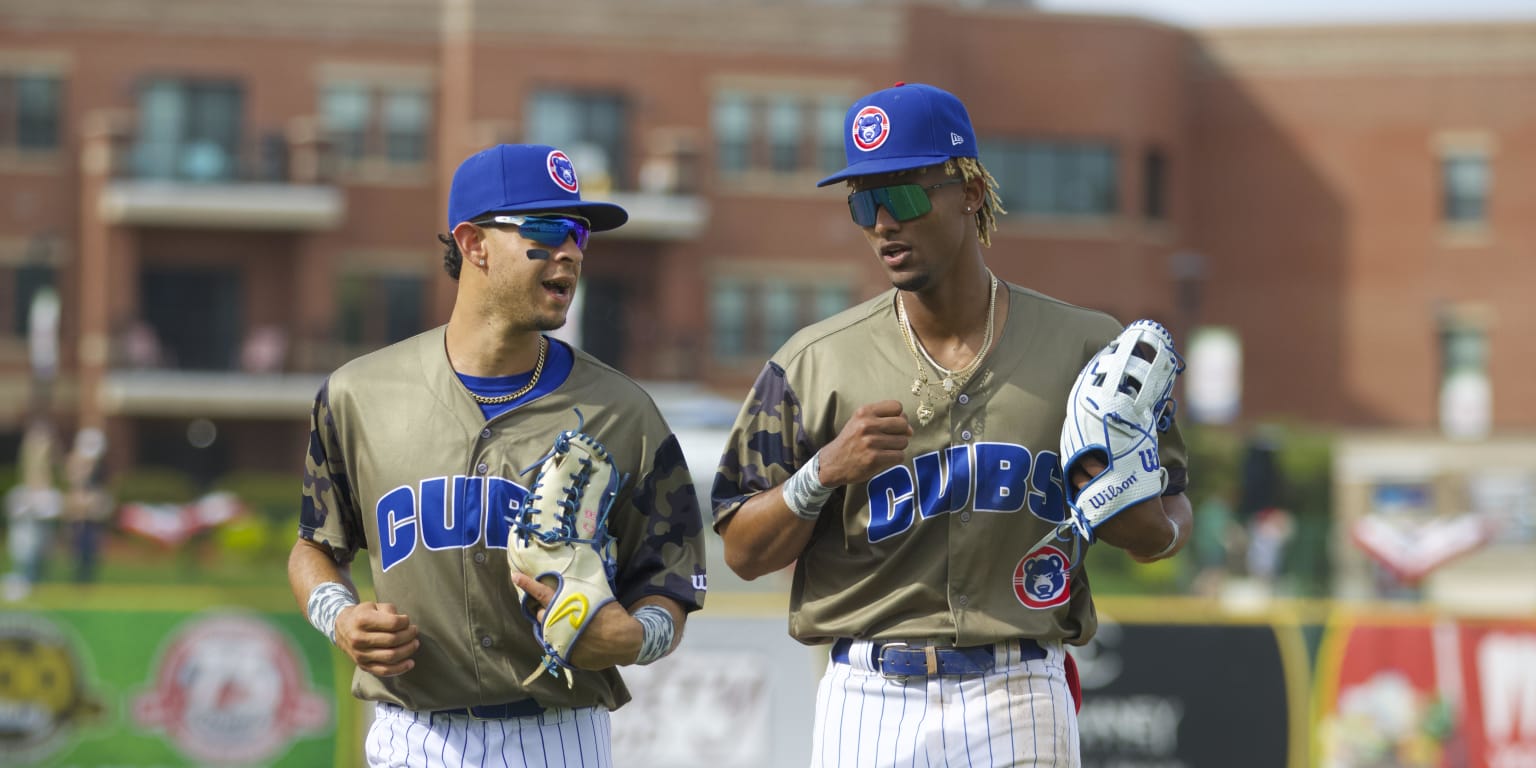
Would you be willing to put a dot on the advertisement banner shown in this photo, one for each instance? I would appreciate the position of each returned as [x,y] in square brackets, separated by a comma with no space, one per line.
[165,688]
[1185,696]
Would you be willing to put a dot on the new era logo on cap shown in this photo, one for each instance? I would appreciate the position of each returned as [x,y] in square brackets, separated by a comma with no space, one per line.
[906,126]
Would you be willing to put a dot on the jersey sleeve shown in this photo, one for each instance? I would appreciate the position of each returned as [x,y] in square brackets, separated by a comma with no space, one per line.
[767,444]
[661,547]
[327,511]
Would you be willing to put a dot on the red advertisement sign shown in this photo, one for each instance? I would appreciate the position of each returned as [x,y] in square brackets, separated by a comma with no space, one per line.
[1426,693]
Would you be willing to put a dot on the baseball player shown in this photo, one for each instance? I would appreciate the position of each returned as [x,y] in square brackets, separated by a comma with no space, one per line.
[904,455]
[423,453]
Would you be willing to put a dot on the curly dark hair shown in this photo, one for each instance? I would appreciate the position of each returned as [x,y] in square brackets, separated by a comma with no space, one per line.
[453,261]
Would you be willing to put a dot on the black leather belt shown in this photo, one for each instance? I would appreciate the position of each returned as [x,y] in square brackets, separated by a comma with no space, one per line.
[895,659]
[511,709]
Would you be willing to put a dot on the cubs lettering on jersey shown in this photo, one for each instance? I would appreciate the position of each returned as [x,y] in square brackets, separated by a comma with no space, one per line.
[446,513]
[940,482]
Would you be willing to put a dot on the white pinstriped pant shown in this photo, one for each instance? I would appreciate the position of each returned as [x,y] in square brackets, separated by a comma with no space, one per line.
[1019,714]
[558,738]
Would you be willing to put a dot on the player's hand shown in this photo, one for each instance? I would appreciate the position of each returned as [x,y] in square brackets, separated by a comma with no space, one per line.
[874,440]
[1141,530]
[379,639]
[613,637]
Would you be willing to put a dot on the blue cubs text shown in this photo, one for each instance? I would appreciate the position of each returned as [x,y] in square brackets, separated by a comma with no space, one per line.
[446,513]
[985,477]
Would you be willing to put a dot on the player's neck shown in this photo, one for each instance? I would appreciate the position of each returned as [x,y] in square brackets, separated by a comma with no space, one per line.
[953,310]
[482,349]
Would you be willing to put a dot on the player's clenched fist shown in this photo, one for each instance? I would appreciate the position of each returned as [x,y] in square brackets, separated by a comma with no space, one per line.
[874,440]
[378,639]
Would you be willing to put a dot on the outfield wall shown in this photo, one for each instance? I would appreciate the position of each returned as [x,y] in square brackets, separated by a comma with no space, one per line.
[185,676]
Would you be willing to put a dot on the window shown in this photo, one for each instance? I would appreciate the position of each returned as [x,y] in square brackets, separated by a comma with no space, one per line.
[589,126]
[18,287]
[753,317]
[189,130]
[370,122]
[733,133]
[376,309]
[1465,179]
[29,112]
[1154,184]
[1055,178]
[1466,395]
[781,133]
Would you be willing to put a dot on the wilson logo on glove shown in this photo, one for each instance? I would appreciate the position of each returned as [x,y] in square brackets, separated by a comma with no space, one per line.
[560,537]
[1122,399]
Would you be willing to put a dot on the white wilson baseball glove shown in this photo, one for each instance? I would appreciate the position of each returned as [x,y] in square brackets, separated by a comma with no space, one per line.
[560,537]
[1122,399]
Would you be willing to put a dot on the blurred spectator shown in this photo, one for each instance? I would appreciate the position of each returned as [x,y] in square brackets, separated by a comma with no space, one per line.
[32,507]
[87,503]
[1268,533]
[1212,543]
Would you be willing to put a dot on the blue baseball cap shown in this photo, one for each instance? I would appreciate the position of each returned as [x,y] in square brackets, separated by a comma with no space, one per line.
[906,126]
[523,178]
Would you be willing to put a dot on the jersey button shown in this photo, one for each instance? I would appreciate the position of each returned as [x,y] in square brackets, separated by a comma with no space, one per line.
[485,642]
[486,433]
[479,557]
[963,400]
[966,435]
[483,468]
[965,517]
[961,600]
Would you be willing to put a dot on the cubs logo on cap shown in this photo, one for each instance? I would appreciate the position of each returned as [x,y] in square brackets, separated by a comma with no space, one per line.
[870,128]
[563,171]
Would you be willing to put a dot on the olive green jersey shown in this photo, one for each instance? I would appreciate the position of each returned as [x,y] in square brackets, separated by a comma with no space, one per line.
[403,463]
[944,545]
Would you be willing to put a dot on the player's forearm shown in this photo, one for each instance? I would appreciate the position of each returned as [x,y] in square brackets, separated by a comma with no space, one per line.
[617,636]
[763,536]
[1155,529]
[309,566]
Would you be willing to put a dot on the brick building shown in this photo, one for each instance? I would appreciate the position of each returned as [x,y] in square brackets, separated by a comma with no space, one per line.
[233,198]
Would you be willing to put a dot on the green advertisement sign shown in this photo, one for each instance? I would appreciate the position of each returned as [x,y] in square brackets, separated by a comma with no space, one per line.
[219,686]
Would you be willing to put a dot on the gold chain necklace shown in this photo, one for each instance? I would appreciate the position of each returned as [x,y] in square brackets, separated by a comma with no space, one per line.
[954,380]
[533,381]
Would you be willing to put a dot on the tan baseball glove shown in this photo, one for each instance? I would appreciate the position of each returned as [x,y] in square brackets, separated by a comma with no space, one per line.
[560,537]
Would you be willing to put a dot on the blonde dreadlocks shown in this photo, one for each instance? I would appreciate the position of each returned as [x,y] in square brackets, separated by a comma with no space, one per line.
[991,201]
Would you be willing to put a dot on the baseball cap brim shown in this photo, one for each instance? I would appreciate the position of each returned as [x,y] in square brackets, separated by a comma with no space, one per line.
[883,165]
[603,216]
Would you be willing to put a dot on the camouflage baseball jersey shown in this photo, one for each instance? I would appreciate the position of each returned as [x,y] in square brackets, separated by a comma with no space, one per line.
[935,547]
[403,463]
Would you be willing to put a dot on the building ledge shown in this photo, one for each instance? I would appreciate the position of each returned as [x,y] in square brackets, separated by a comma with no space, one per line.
[231,394]
[654,216]
[271,206]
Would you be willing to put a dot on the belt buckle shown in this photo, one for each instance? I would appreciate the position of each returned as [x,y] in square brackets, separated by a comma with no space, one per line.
[880,655]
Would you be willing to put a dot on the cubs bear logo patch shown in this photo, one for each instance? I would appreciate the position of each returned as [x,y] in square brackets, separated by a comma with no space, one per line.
[871,126]
[1043,579]
[563,171]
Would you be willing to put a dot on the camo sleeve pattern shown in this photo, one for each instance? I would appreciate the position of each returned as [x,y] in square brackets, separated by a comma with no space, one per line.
[327,510]
[667,557]
[766,446]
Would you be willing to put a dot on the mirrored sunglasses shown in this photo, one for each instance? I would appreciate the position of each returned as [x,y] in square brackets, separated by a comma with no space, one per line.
[545,230]
[904,201]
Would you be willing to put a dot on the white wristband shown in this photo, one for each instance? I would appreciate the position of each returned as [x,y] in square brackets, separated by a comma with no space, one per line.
[656,624]
[803,492]
[1171,544]
[325,604]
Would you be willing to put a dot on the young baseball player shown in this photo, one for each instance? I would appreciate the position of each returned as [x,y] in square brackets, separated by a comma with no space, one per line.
[905,457]
[477,457]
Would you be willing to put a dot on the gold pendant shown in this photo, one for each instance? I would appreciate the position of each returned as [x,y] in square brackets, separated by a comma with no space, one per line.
[917,387]
[924,414]
[949,386]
